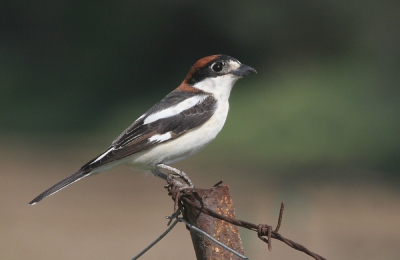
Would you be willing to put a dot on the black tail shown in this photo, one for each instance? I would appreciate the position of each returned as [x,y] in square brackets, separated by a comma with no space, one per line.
[61,185]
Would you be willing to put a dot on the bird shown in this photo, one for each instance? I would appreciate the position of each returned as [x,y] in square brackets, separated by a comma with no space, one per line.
[178,126]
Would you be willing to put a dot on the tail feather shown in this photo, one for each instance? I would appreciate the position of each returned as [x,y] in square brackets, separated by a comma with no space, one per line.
[61,185]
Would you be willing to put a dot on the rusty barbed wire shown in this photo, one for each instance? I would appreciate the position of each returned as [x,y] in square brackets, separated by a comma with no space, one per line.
[190,197]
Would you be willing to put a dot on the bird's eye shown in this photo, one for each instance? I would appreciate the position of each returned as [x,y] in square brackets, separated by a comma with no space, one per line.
[217,66]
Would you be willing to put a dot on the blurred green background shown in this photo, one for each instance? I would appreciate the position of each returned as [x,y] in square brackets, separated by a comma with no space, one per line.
[320,121]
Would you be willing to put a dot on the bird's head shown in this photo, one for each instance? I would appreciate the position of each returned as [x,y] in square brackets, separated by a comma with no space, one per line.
[216,74]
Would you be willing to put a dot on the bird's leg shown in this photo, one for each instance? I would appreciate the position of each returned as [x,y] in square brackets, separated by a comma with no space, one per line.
[169,178]
[175,174]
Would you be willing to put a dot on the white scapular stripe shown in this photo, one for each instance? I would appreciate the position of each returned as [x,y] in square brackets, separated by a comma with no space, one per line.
[160,138]
[172,111]
[104,154]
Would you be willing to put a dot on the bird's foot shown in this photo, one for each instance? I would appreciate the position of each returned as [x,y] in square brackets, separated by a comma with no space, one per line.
[175,174]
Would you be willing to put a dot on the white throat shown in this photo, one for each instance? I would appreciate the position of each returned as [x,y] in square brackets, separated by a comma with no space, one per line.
[220,86]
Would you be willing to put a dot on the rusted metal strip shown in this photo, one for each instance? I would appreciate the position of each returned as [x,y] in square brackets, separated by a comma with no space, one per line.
[218,199]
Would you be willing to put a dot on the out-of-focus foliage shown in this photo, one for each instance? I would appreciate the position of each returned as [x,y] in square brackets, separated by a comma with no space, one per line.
[326,93]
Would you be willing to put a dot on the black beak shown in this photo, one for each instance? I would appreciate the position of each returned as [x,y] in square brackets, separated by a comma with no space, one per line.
[244,70]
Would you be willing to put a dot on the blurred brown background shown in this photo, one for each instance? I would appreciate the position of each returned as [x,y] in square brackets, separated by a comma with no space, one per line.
[318,126]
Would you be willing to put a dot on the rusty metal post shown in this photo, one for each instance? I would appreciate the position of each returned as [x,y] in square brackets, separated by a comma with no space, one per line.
[220,200]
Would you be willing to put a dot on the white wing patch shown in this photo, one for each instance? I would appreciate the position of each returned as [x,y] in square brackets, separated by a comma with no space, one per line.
[102,156]
[172,111]
[160,138]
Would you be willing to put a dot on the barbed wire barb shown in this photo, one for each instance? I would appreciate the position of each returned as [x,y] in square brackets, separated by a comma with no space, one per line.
[278,226]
